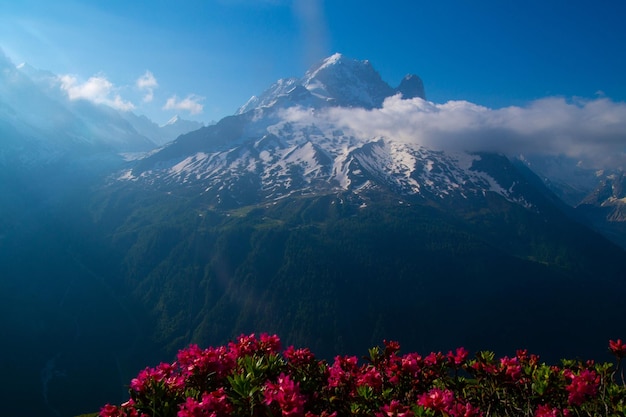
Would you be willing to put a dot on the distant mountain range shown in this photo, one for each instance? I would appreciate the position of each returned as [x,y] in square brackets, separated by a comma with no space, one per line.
[41,124]
[281,219]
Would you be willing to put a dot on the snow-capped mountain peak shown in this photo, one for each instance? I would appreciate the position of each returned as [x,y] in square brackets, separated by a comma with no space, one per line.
[280,144]
[335,81]
[172,121]
[269,97]
[347,82]
[328,63]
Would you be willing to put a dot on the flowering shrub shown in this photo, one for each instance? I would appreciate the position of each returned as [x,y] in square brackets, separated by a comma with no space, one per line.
[252,377]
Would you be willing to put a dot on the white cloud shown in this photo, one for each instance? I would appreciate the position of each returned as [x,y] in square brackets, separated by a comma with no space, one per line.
[93,89]
[97,89]
[191,104]
[148,83]
[593,131]
[147,80]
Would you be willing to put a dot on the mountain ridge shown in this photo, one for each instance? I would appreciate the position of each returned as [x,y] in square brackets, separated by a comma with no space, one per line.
[339,81]
[263,151]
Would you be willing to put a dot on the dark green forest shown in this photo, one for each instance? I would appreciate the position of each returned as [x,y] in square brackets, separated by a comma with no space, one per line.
[327,273]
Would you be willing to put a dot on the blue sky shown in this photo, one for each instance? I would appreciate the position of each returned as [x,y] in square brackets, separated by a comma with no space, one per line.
[202,59]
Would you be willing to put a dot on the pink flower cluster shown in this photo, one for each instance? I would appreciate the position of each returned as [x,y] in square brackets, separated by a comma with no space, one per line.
[445,402]
[583,385]
[213,404]
[250,376]
[547,411]
[285,393]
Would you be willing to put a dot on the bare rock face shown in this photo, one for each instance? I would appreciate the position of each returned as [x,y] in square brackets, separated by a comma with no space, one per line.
[610,194]
[411,86]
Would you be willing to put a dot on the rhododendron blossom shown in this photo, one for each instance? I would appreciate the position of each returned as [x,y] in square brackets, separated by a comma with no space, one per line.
[193,361]
[342,371]
[546,411]
[618,348]
[395,409]
[464,410]
[251,377]
[437,399]
[298,357]
[511,367]
[214,404]
[287,394]
[391,347]
[458,357]
[370,377]
[583,385]
[433,359]
[109,411]
[412,363]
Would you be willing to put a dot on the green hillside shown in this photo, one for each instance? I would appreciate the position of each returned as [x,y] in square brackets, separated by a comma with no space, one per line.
[330,274]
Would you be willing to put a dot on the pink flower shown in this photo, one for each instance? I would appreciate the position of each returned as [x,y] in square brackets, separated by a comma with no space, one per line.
[286,393]
[411,363]
[110,411]
[246,345]
[395,409]
[393,369]
[436,399]
[583,385]
[511,368]
[324,414]
[298,357]
[487,368]
[214,404]
[170,375]
[269,344]
[217,402]
[371,377]
[546,411]
[342,371]
[194,361]
[464,410]
[522,355]
[144,379]
[129,403]
[618,348]
[433,358]
[458,357]
[391,347]
[191,408]
[188,358]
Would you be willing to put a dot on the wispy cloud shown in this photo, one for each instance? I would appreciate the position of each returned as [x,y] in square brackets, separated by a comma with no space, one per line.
[147,83]
[593,131]
[314,31]
[97,89]
[191,103]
